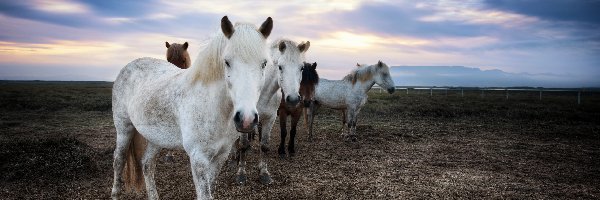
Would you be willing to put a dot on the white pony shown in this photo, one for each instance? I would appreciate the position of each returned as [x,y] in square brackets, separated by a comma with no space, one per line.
[285,73]
[350,93]
[198,109]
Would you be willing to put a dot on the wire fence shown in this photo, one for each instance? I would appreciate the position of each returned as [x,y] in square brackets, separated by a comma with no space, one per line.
[505,92]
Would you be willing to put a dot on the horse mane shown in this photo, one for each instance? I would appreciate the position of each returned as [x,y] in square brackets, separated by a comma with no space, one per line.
[361,74]
[364,73]
[208,66]
[179,56]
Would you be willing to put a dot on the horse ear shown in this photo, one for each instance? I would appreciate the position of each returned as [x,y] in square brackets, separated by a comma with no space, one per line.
[226,27]
[266,27]
[314,65]
[303,47]
[167,44]
[379,64]
[185,45]
[357,65]
[282,46]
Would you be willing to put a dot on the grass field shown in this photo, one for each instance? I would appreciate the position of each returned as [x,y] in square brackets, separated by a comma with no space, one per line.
[57,138]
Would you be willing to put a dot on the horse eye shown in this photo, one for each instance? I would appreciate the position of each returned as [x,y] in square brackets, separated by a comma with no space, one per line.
[279,67]
[227,63]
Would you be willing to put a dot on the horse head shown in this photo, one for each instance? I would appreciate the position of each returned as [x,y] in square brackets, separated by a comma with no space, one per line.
[288,57]
[383,78]
[245,58]
[178,55]
[310,79]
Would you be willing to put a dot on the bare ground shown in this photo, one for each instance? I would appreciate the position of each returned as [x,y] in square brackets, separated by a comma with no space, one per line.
[57,139]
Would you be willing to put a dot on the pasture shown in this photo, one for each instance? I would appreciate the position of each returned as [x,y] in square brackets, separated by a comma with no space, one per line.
[57,140]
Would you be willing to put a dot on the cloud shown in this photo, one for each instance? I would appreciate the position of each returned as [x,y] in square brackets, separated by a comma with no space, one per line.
[394,19]
[59,12]
[583,11]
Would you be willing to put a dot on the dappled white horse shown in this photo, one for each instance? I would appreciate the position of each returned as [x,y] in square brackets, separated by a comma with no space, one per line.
[350,93]
[285,75]
[198,109]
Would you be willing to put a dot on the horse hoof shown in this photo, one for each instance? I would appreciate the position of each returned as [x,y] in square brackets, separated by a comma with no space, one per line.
[292,154]
[240,179]
[282,156]
[169,159]
[264,149]
[266,179]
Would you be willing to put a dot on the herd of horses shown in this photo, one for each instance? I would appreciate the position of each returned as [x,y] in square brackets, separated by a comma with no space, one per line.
[231,94]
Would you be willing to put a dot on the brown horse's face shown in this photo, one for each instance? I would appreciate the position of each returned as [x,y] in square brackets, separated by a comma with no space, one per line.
[177,54]
[310,79]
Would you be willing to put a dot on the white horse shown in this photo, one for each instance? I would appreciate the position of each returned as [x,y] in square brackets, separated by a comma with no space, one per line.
[350,93]
[286,74]
[198,109]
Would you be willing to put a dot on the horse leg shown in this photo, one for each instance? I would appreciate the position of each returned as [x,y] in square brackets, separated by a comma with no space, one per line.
[264,130]
[343,120]
[352,123]
[125,131]
[312,111]
[201,173]
[295,119]
[149,169]
[283,131]
[264,175]
[350,118]
[243,145]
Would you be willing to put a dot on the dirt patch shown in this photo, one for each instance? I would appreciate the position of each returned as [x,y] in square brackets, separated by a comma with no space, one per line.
[46,161]
[57,140]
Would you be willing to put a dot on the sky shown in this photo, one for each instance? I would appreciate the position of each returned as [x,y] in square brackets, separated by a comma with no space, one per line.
[549,40]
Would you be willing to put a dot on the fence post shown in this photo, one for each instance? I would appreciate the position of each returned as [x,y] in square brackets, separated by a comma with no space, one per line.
[462,92]
[579,98]
[380,89]
[540,94]
[406,90]
[446,92]
[430,91]
[506,93]
[482,94]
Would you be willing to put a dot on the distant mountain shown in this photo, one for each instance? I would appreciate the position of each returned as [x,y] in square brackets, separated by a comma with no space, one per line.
[475,77]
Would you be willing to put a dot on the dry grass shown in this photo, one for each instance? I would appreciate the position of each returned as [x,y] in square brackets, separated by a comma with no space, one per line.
[57,140]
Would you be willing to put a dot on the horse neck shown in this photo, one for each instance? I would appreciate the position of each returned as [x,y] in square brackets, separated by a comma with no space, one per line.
[271,82]
[364,86]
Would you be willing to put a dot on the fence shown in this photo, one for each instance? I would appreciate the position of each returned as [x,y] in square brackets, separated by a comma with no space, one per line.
[483,90]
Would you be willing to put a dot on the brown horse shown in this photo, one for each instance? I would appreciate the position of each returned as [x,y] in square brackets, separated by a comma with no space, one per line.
[178,55]
[310,78]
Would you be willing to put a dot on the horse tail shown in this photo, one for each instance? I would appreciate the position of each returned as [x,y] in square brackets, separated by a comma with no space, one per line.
[133,175]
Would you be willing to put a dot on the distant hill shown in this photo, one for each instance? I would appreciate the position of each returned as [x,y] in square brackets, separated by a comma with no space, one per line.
[475,77]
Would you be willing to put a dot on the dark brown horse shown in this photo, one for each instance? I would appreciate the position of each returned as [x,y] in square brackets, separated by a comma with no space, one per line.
[310,78]
[178,55]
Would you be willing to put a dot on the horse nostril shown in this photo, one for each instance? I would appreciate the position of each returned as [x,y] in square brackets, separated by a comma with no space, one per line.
[237,117]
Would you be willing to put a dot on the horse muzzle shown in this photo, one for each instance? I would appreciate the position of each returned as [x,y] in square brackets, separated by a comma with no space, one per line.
[245,123]
[391,90]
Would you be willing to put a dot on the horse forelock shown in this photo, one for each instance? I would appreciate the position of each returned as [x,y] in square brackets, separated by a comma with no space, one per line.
[247,43]
[291,54]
